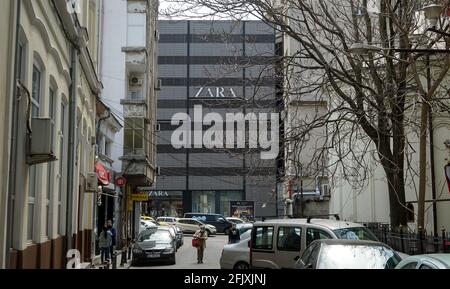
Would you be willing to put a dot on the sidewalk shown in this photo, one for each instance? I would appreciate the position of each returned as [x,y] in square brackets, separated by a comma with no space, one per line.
[97,263]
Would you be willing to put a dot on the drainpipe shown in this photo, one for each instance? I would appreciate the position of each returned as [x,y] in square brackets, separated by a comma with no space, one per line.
[13,149]
[72,146]
[433,173]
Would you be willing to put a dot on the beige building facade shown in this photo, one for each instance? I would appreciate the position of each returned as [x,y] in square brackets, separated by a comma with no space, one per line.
[50,134]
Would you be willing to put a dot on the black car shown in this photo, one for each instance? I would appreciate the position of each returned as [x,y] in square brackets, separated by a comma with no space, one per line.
[348,254]
[219,221]
[180,237]
[154,245]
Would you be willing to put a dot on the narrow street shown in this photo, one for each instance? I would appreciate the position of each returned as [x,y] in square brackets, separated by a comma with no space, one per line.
[187,255]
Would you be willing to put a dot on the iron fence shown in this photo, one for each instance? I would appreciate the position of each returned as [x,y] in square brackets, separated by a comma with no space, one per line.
[410,242]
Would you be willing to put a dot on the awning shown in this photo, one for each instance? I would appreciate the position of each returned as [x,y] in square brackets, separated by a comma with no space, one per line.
[102,174]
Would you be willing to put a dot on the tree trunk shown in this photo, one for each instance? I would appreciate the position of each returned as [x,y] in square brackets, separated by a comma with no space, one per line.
[396,188]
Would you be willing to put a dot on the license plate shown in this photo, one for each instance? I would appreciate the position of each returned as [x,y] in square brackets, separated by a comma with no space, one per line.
[153,255]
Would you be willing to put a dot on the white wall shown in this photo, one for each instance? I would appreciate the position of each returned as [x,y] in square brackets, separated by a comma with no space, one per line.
[112,70]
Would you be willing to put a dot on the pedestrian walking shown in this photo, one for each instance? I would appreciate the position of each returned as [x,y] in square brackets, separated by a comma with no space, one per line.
[233,235]
[113,237]
[104,242]
[201,235]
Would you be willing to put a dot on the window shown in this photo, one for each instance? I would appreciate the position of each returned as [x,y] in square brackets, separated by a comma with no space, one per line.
[33,170]
[262,238]
[136,94]
[315,234]
[21,72]
[134,136]
[62,161]
[50,167]
[108,145]
[356,233]
[136,34]
[289,239]
[410,213]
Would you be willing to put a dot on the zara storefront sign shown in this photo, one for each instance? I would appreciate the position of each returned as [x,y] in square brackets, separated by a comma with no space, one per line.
[215,92]
[152,193]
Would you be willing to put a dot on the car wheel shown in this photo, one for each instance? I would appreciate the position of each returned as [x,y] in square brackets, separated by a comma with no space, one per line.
[241,266]
[173,260]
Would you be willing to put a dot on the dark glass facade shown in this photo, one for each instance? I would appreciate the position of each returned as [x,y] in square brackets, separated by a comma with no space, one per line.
[223,58]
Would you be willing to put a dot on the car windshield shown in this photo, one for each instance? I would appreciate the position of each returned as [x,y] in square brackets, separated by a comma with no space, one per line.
[357,257]
[356,233]
[157,236]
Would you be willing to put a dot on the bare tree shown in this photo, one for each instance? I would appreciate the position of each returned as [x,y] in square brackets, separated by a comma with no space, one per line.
[372,99]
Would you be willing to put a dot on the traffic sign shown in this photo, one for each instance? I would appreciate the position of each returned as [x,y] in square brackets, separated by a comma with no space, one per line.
[121,181]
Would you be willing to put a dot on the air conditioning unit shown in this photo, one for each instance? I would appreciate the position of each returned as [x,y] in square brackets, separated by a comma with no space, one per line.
[135,81]
[41,146]
[91,182]
[158,85]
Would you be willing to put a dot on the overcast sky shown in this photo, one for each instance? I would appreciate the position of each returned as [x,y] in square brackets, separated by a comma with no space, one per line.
[166,5]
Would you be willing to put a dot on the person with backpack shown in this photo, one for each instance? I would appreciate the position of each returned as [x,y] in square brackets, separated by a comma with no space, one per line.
[104,242]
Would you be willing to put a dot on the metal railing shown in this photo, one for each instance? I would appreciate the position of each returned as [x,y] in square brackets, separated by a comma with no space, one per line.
[411,242]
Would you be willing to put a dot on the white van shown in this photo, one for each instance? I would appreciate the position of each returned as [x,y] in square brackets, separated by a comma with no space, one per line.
[277,244]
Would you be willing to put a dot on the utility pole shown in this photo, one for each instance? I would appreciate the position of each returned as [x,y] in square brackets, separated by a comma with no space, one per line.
[301,198]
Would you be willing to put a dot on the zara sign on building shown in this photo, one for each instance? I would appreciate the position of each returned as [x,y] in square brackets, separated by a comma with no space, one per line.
[215,92]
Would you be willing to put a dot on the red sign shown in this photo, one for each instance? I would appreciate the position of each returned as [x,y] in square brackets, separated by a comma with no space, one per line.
[121,181]
[102,174]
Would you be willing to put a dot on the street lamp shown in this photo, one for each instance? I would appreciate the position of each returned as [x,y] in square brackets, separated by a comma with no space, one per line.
[433,13]
[363,48]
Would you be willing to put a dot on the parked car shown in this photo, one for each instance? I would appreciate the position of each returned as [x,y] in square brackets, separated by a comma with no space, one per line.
[216,220]
[154,244]
[236,256]
[147,218]
[429,261]
[280,243]
[348,254]
[180,237]
[235,220]
[145,224]
[168,220]
[173,235]
[189,225]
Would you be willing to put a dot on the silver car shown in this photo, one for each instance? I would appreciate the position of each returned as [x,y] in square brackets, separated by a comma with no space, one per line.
[348,254]
[430,261]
